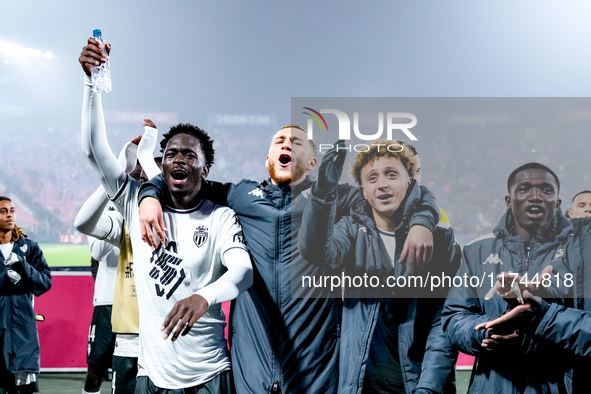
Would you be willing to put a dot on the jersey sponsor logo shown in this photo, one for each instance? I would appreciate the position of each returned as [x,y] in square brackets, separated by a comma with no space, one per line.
[200,236]
[306,193]
[166,270]
[559,253]
[129,270]
[237,221]
[493,259]
[257,192]
[239,238]
[24,248]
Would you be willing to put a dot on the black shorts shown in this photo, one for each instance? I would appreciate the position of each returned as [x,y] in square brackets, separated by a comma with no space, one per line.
[124,375]
[101,340]
[221,384]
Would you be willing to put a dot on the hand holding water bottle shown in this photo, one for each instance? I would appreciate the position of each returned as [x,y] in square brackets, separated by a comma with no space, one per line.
[94,60]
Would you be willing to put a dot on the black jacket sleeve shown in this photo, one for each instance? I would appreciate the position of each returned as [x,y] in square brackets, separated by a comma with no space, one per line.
[214,191]
[320,241]
[34,270]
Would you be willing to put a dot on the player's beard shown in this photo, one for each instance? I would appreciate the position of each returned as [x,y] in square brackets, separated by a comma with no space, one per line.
[294,174]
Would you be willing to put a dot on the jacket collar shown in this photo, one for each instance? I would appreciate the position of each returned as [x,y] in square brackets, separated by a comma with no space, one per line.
[558,231]
[15,246]
[20,242]
[269,186]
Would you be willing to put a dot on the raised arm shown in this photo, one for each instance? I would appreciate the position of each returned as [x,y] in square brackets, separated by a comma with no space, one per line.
[93,131]
[317,235]
[92,219]
[145,149]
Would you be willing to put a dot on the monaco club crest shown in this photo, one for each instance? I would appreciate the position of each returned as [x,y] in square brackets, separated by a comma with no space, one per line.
[200,236]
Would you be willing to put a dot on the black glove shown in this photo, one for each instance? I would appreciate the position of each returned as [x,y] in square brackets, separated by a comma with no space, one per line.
[331,168]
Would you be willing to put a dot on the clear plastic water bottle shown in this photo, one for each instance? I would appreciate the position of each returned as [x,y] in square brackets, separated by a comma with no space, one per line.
[101,74]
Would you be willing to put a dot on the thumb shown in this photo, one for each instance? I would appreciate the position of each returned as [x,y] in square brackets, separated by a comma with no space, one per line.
[341,154]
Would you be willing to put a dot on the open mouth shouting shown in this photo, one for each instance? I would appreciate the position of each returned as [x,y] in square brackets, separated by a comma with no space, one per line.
[179,176]
[535,212]
[284,160]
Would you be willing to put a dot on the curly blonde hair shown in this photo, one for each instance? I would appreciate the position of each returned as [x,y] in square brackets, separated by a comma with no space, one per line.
[404,152]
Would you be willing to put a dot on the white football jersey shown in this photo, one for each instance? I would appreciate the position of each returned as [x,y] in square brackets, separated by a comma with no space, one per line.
[108,255]
[190,260]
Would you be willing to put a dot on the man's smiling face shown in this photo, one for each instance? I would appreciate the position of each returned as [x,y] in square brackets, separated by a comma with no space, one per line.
[384,183]
[183,165]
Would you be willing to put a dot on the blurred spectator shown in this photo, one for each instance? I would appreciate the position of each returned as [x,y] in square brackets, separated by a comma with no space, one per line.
[23,274]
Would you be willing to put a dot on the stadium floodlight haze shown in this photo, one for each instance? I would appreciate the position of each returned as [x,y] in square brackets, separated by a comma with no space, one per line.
[18,52]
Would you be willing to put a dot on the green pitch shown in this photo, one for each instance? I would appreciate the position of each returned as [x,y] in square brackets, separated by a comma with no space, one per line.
[60,255]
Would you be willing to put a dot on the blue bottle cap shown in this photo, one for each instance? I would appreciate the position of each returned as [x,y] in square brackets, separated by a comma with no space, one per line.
[96,33]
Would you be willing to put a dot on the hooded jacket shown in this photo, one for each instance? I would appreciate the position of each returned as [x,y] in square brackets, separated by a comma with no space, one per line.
[518,369]
[426,356]
[18,328]
[570,328]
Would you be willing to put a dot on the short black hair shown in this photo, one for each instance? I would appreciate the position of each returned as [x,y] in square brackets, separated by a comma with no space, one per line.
[204,140]
[531,166]
[579,193]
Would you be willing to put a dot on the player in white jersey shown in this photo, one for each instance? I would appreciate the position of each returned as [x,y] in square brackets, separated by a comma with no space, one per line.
[100,220]
[182,283]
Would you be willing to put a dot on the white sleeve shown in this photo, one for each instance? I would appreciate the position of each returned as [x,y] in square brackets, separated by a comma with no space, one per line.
[237,279]
[99,250]
[145,152]
[90,219]
[93,220]
[128,157]
[95,145]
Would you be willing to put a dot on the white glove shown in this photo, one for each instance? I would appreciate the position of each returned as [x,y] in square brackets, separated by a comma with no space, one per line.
[12,275]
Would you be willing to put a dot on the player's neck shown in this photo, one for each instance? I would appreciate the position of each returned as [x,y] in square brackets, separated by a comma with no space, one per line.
[5,236]
[185,201]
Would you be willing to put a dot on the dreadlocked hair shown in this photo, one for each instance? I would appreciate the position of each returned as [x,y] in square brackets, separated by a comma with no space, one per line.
[17,233]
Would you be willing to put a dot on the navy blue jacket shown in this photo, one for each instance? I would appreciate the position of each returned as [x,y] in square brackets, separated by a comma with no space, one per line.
[18,328]
[278,342]
[519,370]
[426,356]
[569,328]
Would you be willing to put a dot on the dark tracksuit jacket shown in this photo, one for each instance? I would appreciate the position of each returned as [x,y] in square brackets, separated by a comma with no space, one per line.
[279,343]
[426,356]
[521,369]
[19,340]
[570,328]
